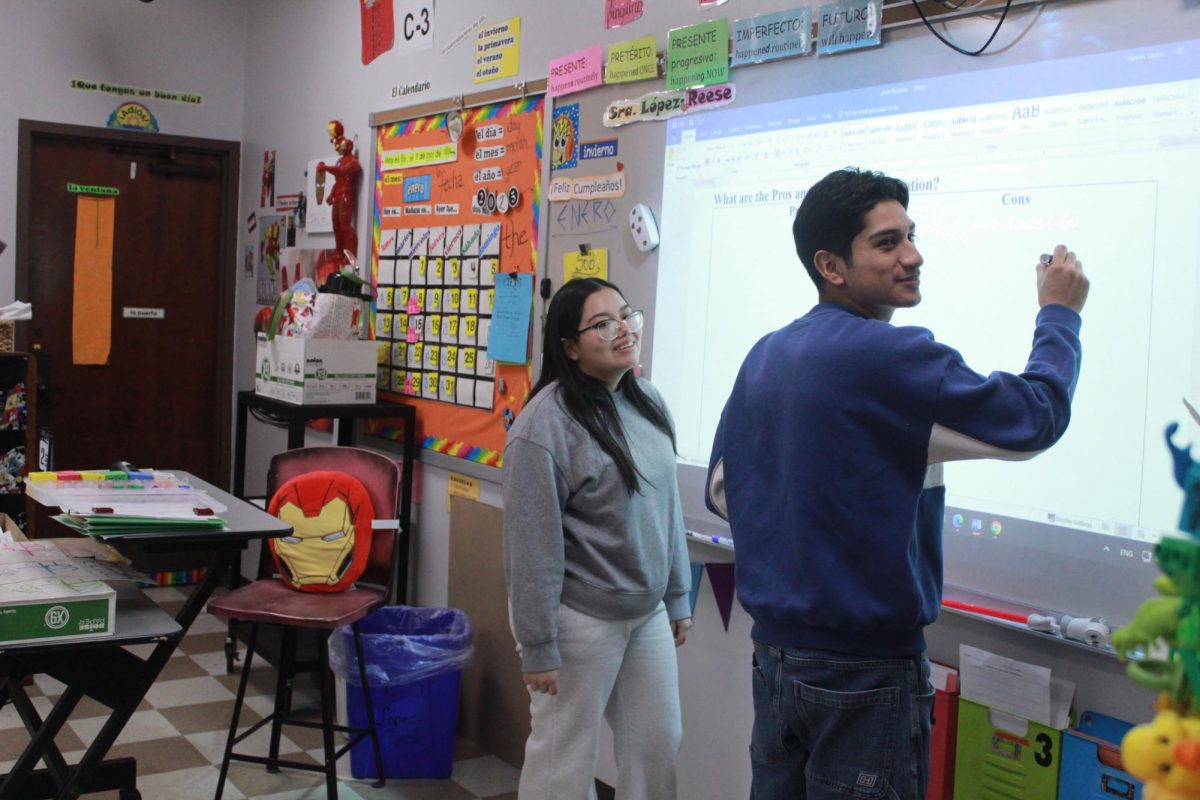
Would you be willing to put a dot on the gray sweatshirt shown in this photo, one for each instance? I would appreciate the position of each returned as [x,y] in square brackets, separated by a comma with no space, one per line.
[574,534]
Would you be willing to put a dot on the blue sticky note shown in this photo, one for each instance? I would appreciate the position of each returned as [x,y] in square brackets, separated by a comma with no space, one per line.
[848,25]
[508,338]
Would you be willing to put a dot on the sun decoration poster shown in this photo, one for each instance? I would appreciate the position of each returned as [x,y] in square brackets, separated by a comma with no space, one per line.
[452,219]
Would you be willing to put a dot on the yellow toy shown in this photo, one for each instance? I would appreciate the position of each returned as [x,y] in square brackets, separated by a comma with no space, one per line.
[1165,755]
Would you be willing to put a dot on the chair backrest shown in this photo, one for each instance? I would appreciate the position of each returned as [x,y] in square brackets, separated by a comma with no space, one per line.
[380,476]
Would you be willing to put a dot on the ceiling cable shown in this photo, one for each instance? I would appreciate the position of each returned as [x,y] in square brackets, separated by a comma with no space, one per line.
[952,45]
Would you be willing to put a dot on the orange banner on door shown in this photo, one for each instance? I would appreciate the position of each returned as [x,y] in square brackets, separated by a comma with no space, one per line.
[91,300]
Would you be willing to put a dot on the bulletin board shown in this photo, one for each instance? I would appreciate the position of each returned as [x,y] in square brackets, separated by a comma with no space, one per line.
[456,226]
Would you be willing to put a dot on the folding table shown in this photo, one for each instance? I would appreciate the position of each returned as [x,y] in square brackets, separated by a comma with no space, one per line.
[101,668]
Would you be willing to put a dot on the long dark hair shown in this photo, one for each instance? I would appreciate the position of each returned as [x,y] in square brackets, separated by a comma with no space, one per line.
[587,399]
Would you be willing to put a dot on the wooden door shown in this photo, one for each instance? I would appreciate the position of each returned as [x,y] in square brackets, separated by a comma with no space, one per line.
[162,399]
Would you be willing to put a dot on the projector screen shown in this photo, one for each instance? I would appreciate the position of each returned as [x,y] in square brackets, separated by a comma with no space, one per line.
[1099,151]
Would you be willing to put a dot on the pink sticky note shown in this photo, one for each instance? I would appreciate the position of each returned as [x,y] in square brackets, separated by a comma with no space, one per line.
[412,334]
[414,304]
[408,385]
[621,12]
[575,72]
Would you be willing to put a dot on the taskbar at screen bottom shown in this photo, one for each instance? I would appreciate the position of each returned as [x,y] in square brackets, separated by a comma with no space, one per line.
[972,525]
[1047,567]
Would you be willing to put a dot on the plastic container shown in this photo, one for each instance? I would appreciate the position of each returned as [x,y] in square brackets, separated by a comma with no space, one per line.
[414,661]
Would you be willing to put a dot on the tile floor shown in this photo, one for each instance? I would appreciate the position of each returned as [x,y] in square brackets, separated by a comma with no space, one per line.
[178,734]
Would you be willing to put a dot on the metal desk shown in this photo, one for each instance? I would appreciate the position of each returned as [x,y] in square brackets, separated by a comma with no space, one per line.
[103,670]
[299,415]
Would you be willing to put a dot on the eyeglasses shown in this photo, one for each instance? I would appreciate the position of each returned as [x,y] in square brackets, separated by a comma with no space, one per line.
[610,329]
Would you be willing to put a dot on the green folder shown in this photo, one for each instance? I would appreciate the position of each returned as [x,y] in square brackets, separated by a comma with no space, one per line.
[102,524]
[993,763]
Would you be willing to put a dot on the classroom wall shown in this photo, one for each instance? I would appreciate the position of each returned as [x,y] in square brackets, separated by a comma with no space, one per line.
[178,45]
[714,672]
[272,73]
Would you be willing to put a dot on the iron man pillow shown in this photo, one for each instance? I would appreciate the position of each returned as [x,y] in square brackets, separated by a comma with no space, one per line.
[331,516]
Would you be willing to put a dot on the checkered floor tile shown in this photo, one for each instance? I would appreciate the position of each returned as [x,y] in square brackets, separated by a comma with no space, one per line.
[178,733]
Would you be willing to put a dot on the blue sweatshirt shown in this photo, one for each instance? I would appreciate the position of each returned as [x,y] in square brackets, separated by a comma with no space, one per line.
[827,464]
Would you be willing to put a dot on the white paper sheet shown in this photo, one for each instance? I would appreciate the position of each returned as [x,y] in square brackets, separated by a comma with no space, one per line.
[1016,687]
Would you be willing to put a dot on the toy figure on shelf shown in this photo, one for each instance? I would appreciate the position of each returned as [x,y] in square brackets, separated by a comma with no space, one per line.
[13,416]
[271,248]
[335,129]
[341,197]
[262,320]
[12,471]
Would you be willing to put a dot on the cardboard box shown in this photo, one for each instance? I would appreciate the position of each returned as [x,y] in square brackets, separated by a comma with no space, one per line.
[1091,761]
[1000,755]
[46,595]
[943,738]
[316,371]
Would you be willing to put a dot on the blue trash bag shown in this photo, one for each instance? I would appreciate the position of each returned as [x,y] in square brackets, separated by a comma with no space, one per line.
[403,644]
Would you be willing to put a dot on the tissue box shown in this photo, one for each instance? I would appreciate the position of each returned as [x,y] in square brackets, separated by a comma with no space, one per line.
[1091,761]
[944,732]
[316,371]
[1000,755]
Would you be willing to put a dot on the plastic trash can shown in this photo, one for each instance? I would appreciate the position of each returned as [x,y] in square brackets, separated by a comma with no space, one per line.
[414,661]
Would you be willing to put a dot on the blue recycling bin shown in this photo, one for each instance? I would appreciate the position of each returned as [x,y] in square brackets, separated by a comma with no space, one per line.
[414,661]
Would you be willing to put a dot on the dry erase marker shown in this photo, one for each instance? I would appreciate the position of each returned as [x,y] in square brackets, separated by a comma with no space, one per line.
[985,611]
[702,537]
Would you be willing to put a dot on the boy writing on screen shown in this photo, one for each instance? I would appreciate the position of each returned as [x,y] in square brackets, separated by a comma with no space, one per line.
[827,464]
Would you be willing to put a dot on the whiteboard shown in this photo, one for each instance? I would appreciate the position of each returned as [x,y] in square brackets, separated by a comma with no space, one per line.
[1083,126]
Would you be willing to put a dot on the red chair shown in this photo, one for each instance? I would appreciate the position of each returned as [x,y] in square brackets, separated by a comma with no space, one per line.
[269,601]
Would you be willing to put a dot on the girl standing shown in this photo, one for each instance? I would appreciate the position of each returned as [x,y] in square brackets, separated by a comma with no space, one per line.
[595,556]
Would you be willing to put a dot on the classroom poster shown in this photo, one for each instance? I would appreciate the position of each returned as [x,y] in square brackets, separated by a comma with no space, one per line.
[848,25]
[698,55]
[576,71]
[497,50]
[771,36]
[275,232]
[451,222]
[634,60]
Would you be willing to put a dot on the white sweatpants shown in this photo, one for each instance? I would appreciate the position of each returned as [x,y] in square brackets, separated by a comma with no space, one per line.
[620,670]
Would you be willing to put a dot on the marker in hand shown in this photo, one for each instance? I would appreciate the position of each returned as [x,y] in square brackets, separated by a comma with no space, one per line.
[1061,279]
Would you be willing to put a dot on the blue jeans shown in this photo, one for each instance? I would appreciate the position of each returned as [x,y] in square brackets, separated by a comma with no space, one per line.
[828,725]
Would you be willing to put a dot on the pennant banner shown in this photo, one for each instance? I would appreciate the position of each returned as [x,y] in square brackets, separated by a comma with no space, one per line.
[721,578]
[697,576]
